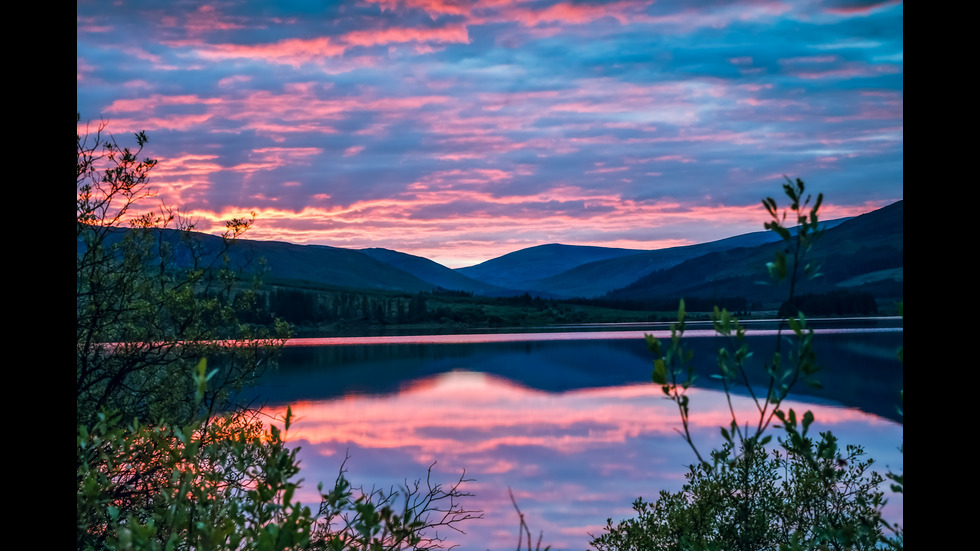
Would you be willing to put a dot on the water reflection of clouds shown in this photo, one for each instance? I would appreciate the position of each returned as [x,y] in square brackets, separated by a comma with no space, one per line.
[573,458]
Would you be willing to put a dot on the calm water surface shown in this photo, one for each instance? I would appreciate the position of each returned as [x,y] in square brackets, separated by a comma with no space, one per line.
[569,421]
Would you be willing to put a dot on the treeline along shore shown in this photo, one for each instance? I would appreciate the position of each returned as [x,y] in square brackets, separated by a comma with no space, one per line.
[350,311]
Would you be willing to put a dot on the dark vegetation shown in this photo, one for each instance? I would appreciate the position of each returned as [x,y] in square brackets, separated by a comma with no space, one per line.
[841,302]
[326,311]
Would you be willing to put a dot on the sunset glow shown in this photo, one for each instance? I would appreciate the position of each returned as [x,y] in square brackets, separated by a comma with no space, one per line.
[464,130]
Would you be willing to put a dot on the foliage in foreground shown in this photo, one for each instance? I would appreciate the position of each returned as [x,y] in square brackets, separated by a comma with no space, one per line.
[760,499]
[804,492]
[231,485]
[166,459]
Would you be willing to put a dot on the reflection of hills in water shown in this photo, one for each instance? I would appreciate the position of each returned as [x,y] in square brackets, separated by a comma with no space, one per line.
[332,371]
[858,369]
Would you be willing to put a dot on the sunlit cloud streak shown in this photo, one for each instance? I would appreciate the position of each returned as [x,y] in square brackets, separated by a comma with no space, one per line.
[462,130]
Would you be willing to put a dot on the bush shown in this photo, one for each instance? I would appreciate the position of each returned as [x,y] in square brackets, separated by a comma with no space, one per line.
[165,457]
[803,493]
[757,499]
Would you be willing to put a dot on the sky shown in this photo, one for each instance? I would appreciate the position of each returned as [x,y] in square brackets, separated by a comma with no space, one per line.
[462,130]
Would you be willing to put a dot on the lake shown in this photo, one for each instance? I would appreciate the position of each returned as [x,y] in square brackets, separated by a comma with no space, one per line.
[566,418]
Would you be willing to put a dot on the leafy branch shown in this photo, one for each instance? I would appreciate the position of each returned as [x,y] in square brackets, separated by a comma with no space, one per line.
[826,496]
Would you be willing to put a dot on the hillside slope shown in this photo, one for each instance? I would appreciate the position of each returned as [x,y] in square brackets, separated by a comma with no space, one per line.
[287,263]
[867,249]
[597,278]
[519,269]
[579,271]
[323,265]
[435,273]
[864,252]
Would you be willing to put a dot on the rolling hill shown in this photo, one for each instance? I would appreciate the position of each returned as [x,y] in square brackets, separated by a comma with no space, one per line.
[521,269]
[864,253]
[599,277]
[567,271]
[436,274]
[288,263]
[323,265]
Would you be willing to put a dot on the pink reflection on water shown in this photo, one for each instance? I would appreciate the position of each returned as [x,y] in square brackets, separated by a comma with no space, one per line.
[573,459]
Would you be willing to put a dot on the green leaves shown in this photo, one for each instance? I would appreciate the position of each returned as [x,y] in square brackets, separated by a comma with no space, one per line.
[158,293]
[756,499]
[789,263]
[660,373]
[804,494]
[777,267]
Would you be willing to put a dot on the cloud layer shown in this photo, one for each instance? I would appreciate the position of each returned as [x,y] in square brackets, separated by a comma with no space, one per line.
[462,130]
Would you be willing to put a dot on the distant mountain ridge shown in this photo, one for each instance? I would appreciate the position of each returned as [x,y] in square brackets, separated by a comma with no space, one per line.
[434,273]
[579,271]
[865,252]
[325,265]
[862,251]
[291,264]
[519,269]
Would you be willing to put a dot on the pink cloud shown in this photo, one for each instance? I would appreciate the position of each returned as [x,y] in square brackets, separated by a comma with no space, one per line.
[155,101]
[298,109]
[862,9]
[848,72]
[206,19]
[291,51]
[82,68]
[808,60]
[269,158]
[675,158]
[607,169]
[438,7]
[454,33]
[573,13]
[91,25]
[123,125]
[234,80]
[186,165]
[321,50]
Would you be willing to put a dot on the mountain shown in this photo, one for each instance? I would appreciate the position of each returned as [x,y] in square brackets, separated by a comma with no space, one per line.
[577,271]
[865,252]
[324,265]
[519,269]
[435,273]
[289,263]
[597,278]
